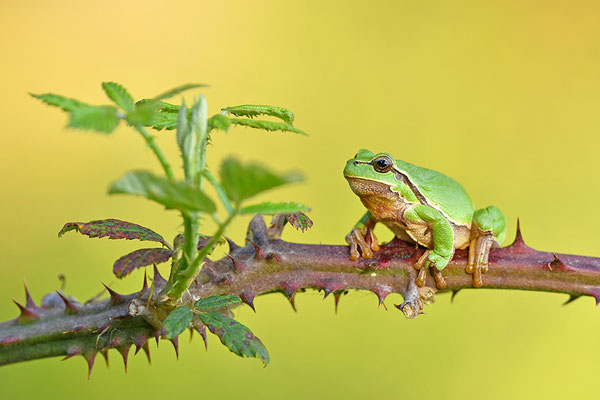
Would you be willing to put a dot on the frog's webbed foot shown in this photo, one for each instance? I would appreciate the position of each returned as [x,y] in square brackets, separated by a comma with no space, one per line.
[426,261]
[358,239]
[479,251]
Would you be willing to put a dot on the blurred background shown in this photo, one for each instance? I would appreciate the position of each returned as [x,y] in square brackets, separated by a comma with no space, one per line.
[502,96]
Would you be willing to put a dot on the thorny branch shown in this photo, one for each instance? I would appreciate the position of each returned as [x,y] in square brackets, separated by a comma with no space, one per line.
[266,264]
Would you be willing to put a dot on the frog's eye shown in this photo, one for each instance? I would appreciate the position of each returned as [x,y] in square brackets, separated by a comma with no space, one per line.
[382,164]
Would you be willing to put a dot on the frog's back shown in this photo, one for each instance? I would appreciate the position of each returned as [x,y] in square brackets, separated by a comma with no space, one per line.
[441,192]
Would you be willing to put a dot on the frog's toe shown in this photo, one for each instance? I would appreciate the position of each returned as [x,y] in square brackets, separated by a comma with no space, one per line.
[421,276]
[356,240]
[479,251]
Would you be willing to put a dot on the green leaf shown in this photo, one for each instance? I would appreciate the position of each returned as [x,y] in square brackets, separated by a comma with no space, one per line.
[266,125]
[172,195]
[220,122]
[113,229]
[119,95]
[244,181]
[143,113]
[96,118]
[165,115]
[251,111]
[235,336]
[299,220]
[176,90]
[140,258]
[213,303]
[177,321]
[65,103]
[273,208]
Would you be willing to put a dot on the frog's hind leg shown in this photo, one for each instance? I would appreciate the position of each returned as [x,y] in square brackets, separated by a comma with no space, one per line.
[443,244]
[488,230]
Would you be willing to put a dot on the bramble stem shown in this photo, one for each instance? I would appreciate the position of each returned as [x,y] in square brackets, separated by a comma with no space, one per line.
[267,265]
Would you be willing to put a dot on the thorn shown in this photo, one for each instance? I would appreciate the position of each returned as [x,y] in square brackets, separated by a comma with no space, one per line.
[145,284]
[76,329]
[248,298]
[124,350]
[156,337]
[454,293]
[293,302]
[518,243]
[595,293]
[381,293]
[557,265]
[232,245]
[72,352]
[336,295]
[572,298]
[289,291]
[191,333]
[139,342]
[259,252]
[105,355]
[175,343]
[29,303]
[70,308]
[147,351]
[27,315]
[201,329]
[90,358]
[115,298]
[158,279]
[237,266]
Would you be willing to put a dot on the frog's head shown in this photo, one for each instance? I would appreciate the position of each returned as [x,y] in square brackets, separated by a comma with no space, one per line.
[369,173]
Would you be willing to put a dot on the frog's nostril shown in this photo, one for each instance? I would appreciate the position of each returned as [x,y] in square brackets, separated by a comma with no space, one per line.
[355,162]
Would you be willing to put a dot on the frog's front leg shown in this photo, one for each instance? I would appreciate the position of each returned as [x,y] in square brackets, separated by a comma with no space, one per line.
[488,230]
[443,243]
[358,234]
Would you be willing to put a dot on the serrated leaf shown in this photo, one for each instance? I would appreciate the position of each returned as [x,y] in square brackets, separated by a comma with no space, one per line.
[237,337]
[250,110]
[119,95]
[220,122]
[213,303]
[176,90]
[244,181]
[299,220]
[177,321]
[140,258]
[56,100]
[266,125]
[113,229]
[172,195]
[270,208]
[95,118]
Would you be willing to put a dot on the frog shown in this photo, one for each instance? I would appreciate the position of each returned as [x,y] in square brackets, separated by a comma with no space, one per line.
[423,207]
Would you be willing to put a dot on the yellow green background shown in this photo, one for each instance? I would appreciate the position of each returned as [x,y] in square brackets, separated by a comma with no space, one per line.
[503,96]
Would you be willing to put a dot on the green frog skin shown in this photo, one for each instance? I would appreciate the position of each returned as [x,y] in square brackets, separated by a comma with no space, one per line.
[421,206]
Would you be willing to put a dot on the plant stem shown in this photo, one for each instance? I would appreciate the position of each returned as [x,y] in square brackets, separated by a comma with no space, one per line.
[187,271]
[220,191]
[157,151]
[271,265]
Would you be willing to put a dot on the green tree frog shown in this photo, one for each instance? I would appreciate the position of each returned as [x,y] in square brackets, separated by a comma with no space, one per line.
[424,207]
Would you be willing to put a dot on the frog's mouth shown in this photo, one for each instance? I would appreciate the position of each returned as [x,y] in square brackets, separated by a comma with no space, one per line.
[368,187]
